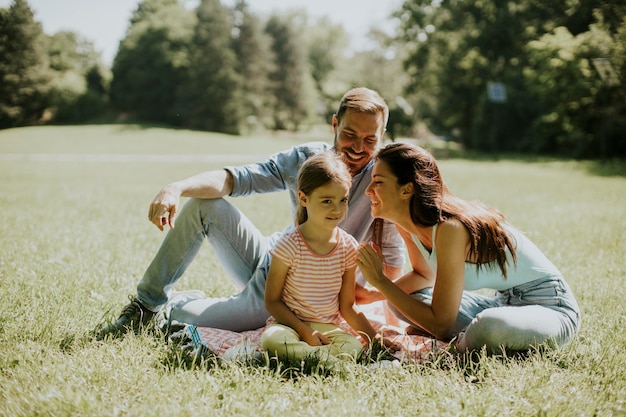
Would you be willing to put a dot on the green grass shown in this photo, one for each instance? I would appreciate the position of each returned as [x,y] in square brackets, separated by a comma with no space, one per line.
[74,240]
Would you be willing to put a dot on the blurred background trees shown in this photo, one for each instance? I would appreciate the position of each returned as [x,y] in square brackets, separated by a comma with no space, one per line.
[528,76]
[541,52]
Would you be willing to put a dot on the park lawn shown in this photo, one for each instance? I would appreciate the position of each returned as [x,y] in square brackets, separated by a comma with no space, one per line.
[74,241]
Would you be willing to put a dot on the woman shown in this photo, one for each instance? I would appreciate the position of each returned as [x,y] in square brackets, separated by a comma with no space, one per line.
[454,246]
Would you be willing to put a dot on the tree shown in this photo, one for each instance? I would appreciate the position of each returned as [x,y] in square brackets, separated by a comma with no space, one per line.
[153,61]
[24,67]
[290,80]
[79,90]
[462,46]
[380,67]
[208,100]
[251,46]
[327,45]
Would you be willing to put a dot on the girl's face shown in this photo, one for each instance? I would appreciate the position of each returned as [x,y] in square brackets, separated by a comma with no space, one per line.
[385,192]
[326,205]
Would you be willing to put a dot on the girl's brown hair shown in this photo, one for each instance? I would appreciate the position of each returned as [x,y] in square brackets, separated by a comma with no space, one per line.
[433,203]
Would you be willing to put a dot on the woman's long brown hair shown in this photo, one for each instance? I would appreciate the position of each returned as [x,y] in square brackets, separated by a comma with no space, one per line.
[433,203]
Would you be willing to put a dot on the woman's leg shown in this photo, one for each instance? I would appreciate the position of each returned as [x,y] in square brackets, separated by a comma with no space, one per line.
[539,312]
[471,305]
[515,328]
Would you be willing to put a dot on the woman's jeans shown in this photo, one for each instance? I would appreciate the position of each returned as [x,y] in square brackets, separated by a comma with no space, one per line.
[543,311]
[241,248]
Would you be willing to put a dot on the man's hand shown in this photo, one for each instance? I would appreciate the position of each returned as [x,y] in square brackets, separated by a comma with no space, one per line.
[163,208]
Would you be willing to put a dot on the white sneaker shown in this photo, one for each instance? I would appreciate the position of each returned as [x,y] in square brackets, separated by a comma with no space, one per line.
[243,351]
[385,364]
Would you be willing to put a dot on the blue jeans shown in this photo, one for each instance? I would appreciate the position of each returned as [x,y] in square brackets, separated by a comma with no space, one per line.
[243,251]
[543,311]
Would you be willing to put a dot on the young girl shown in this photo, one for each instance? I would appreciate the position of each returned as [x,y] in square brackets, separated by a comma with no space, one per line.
[456,245]
[311,279]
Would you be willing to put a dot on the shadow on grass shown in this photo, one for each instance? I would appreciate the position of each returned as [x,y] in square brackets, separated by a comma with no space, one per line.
[183,355]
[607,168]
[613,167]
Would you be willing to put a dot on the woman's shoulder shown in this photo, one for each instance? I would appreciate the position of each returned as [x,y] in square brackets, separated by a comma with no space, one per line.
[451,223]
[451,228]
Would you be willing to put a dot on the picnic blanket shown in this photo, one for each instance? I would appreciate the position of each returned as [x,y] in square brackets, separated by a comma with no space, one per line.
[231,345]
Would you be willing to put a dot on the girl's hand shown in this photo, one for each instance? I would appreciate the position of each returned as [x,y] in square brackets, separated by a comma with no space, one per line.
[370,262]
[364,295]
[315,338]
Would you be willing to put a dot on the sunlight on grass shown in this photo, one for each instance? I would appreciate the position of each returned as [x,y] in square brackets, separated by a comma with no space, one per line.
[75,240]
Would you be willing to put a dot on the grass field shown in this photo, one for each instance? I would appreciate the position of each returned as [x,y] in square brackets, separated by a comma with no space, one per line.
[74,240]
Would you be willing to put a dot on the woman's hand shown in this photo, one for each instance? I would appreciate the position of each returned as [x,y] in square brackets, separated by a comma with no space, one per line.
[370,262]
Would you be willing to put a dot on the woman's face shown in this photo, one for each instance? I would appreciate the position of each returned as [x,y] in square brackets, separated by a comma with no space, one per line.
[384,191]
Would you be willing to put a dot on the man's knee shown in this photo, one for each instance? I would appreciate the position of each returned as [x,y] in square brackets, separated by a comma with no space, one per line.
[204,206]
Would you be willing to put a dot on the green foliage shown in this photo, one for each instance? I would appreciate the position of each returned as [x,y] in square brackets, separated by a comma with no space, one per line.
[213,68]
[79,88]
[207,100]
[326,45]
[54,78]
[152,62]
[69,52]
[539,52]
[290,82]
[251,46]
[24,67]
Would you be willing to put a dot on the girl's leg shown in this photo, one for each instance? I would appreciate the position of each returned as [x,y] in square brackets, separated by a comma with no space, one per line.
[343,345]
[285,342]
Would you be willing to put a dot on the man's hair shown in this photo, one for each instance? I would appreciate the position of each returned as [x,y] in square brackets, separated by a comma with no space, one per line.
[317,171]
[363,100]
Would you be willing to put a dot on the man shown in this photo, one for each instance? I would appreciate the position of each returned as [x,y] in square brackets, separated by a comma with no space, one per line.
[358,126]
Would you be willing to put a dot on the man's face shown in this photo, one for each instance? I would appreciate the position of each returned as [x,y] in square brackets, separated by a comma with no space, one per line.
[357,138]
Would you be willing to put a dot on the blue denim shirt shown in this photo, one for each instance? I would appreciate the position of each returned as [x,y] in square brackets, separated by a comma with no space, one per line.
[279,172]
